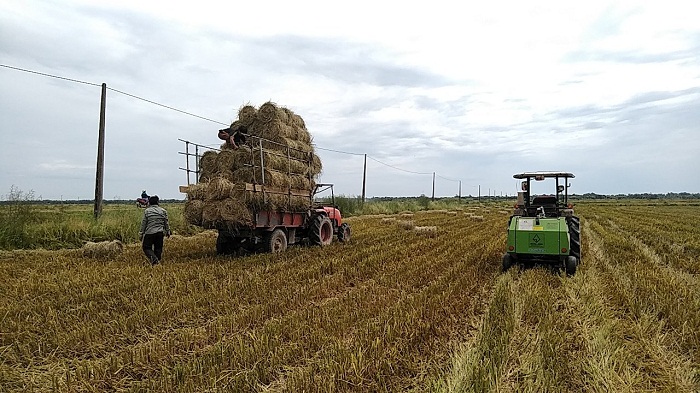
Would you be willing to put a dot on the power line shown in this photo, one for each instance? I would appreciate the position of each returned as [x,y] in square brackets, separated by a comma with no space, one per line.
[50,75]
[388,165]
[385,164]
[447,178]
[109,88]
[399,169]
[166,106]
[211,120]
[340,151]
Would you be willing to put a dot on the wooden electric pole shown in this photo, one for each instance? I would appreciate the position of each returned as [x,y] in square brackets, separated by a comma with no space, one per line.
[364,179]
[433,198]
[99,176]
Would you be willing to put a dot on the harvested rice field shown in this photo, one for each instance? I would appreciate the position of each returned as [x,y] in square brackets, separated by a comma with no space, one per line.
[414,302]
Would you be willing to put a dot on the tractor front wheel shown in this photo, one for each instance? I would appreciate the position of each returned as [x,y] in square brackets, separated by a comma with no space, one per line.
[344,233]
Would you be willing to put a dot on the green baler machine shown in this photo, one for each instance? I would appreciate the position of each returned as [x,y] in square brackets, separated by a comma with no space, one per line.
[549,236]
[544,229]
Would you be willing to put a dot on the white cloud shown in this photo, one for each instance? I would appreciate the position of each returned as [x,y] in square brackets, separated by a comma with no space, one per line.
[473,91]
[63,166]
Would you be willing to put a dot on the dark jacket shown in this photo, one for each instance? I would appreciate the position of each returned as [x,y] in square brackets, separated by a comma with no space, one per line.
[238,136]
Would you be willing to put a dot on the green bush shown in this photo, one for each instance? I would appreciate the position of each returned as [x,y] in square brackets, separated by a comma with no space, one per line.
[348,205]
[15,218]
[26,223]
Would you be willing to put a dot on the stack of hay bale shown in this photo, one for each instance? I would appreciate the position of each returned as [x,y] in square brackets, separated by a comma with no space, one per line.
[291,168]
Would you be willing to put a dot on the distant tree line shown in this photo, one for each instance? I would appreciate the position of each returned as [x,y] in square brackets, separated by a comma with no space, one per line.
[668,195]
[422,198]
[81,201]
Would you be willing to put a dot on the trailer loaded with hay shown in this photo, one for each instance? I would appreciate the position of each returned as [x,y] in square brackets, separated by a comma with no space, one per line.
[259,195]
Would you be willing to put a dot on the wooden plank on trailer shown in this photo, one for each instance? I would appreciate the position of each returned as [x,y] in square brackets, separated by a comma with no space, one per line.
[276,190]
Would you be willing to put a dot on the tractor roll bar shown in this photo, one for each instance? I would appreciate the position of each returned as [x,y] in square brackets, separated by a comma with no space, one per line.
[543,174]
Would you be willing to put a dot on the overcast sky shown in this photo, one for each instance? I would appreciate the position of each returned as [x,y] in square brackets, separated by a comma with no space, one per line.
[474,91]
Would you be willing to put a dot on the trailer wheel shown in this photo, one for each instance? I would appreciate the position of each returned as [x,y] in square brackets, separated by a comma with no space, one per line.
[276,241]
[344,233]
[321,231]
[224,244]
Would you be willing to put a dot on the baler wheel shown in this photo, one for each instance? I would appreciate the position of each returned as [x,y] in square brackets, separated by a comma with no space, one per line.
[570,265]
[507,262]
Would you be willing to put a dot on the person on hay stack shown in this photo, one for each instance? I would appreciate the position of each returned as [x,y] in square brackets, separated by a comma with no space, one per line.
[143,201]
[154,226]
[234,137]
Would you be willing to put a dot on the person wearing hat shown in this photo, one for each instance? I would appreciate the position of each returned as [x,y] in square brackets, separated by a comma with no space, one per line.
[154,227]
[234,137]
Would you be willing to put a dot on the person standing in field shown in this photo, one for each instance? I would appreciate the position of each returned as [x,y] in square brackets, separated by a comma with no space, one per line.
[154,227]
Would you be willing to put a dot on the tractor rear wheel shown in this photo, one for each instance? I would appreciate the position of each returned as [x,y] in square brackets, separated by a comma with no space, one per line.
[575,237]
[276,241]
[507,262]
[321,231]
[570,265]
[344,233]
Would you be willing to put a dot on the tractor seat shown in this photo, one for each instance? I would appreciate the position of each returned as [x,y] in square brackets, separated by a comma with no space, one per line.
[548,202]
[545,201]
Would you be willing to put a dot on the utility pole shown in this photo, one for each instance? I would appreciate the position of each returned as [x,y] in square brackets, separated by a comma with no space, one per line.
[364,178]
[433,198]
[459,195]
[479,199]
[99,176]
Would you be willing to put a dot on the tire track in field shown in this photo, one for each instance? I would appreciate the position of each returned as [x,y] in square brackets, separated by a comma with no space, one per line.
[478,355]
[688,279]
[520,345]
[660,290]
[628,352]
[664,233]
[569,334]
[544,345]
